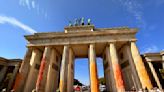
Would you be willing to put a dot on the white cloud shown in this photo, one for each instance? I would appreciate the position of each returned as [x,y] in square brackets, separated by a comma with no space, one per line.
[33,4]
[150,48]
[27,3]
[46,15]
[134,8]
[15,22]
[159,2]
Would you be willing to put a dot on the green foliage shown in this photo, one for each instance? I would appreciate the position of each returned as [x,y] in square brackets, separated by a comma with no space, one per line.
[102,81]
[77,82]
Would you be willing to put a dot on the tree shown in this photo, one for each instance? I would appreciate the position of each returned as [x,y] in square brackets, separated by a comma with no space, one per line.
[77,82]
[102,81]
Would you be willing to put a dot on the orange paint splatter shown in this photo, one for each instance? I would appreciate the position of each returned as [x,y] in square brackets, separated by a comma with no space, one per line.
[40,76]
[19,78]
[61,86]
[93,77]
[118,76]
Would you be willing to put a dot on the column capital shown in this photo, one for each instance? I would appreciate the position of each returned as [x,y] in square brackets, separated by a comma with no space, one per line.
[92,44]
[162,52]
[112,42]
[72,50]
[133,40]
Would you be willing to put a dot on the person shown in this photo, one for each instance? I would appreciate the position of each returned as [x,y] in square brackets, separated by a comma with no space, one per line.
[12,90]
[34,90]
[89,21]
[4,90]
[146,90]
[133,88]
[58,90]
[140,90]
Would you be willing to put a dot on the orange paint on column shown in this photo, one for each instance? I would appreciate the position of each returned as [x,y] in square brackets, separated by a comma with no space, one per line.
[140,67]
[17,81]
[93,77]
[40,76]
[116,68]
[61,86]
[118,76]
[93,69]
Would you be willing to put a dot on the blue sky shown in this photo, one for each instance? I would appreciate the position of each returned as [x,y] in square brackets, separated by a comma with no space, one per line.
[22,17]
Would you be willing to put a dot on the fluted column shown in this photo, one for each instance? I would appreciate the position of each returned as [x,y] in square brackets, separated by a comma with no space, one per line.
[116,68]
[13,78]
[63,72]
[154,74]
[107,71]
[162,54]
[141,70]
[53,72]
[23,72]
[2,73]
[133,67]
[93,69]
[70,77]
[111,78]
[34,70]
[42,77]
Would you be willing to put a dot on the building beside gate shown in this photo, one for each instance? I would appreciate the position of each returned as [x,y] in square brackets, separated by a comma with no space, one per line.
[8,71]
[49,60]
[154,63]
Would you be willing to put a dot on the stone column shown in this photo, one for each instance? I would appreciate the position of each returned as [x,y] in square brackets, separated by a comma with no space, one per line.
[162,54]
[33,71]
[13,77]
[70,77]
[141,70]
[3,73]
[116,68]
[133,67]
[63,71]
[42,77]
[23,72]
[107,73]
[154,75]
[111,72]
[53,72]
[93,69]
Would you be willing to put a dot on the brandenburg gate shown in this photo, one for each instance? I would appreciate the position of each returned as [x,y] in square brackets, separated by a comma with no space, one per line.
[49,61]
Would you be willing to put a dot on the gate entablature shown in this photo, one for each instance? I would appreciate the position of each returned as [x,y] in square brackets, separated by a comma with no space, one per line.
[84,36]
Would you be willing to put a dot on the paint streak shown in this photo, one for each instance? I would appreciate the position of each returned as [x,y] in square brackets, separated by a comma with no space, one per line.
[143,75]
[118,77]
[140,67]
[40,76]
[61,86]
[93,77]
[19,78]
